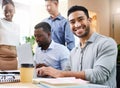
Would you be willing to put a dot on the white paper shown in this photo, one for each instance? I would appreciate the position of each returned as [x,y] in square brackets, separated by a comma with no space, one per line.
[60,81]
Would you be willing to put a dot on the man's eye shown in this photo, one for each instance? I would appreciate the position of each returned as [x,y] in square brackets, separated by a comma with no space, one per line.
[38,35]
[80,19]
[72,22]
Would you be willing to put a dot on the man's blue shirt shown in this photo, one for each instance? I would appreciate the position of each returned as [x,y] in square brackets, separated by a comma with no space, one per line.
[56,56]
[61,32]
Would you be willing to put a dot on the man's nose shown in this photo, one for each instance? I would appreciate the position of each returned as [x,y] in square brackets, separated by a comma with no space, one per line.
[77,24]
[37,39]
[48,7]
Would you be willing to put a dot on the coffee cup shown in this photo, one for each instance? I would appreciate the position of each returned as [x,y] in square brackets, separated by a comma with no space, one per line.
[26,73]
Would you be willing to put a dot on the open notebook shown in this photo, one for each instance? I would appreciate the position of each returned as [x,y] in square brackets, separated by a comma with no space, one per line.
[24,53]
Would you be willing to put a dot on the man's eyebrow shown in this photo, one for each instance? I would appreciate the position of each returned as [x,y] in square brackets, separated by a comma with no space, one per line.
[77,18]
[71,20]
[80,17]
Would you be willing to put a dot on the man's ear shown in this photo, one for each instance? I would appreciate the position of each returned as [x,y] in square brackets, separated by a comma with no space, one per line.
[49,34]
[89,19]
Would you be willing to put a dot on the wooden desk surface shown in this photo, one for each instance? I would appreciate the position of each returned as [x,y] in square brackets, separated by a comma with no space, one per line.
[18,85]
[30,85]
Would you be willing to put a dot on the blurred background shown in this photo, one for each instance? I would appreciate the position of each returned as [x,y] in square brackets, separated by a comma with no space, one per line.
[105,15]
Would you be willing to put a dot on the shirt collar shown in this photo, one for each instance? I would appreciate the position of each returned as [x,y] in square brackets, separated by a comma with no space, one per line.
[59,17]
[51,45]
[91,39]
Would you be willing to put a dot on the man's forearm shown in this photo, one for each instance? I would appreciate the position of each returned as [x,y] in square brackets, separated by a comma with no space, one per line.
[80,74]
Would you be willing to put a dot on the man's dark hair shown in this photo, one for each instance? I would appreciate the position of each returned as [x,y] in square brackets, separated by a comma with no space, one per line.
[44,25]
[5,2]
[78,8]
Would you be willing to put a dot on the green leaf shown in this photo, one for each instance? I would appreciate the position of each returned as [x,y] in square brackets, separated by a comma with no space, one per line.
[31,40]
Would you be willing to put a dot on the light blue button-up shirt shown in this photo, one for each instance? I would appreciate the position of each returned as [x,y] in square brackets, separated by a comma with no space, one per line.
[61,32]
[55,56]
[97,59]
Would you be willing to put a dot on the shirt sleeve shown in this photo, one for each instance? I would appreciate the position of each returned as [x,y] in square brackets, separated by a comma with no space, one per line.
[69,37]
[64,62]
[105,63]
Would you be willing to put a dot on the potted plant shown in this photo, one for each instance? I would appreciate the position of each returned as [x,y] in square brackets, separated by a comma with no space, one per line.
[31,40]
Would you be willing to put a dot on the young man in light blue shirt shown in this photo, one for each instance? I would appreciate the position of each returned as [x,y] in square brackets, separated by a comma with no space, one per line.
[94,59]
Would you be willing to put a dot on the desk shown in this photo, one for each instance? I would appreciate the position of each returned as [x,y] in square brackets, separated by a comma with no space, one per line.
[30,85]
[18,85]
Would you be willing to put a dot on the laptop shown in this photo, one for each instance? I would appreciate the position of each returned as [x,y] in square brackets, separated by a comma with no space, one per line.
[25,55]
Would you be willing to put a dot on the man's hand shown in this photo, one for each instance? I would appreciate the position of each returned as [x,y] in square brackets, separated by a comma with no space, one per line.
[49,71]
[41,65]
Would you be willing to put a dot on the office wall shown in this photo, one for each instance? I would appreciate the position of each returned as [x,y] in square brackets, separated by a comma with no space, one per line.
[101,7]
[115,20]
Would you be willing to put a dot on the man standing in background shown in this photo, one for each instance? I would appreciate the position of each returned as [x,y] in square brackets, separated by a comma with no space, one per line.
[61,32]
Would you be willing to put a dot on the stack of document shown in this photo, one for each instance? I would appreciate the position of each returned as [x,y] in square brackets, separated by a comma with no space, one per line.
[67,82]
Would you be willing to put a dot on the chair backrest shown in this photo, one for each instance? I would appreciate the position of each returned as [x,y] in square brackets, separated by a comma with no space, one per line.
[118,76]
